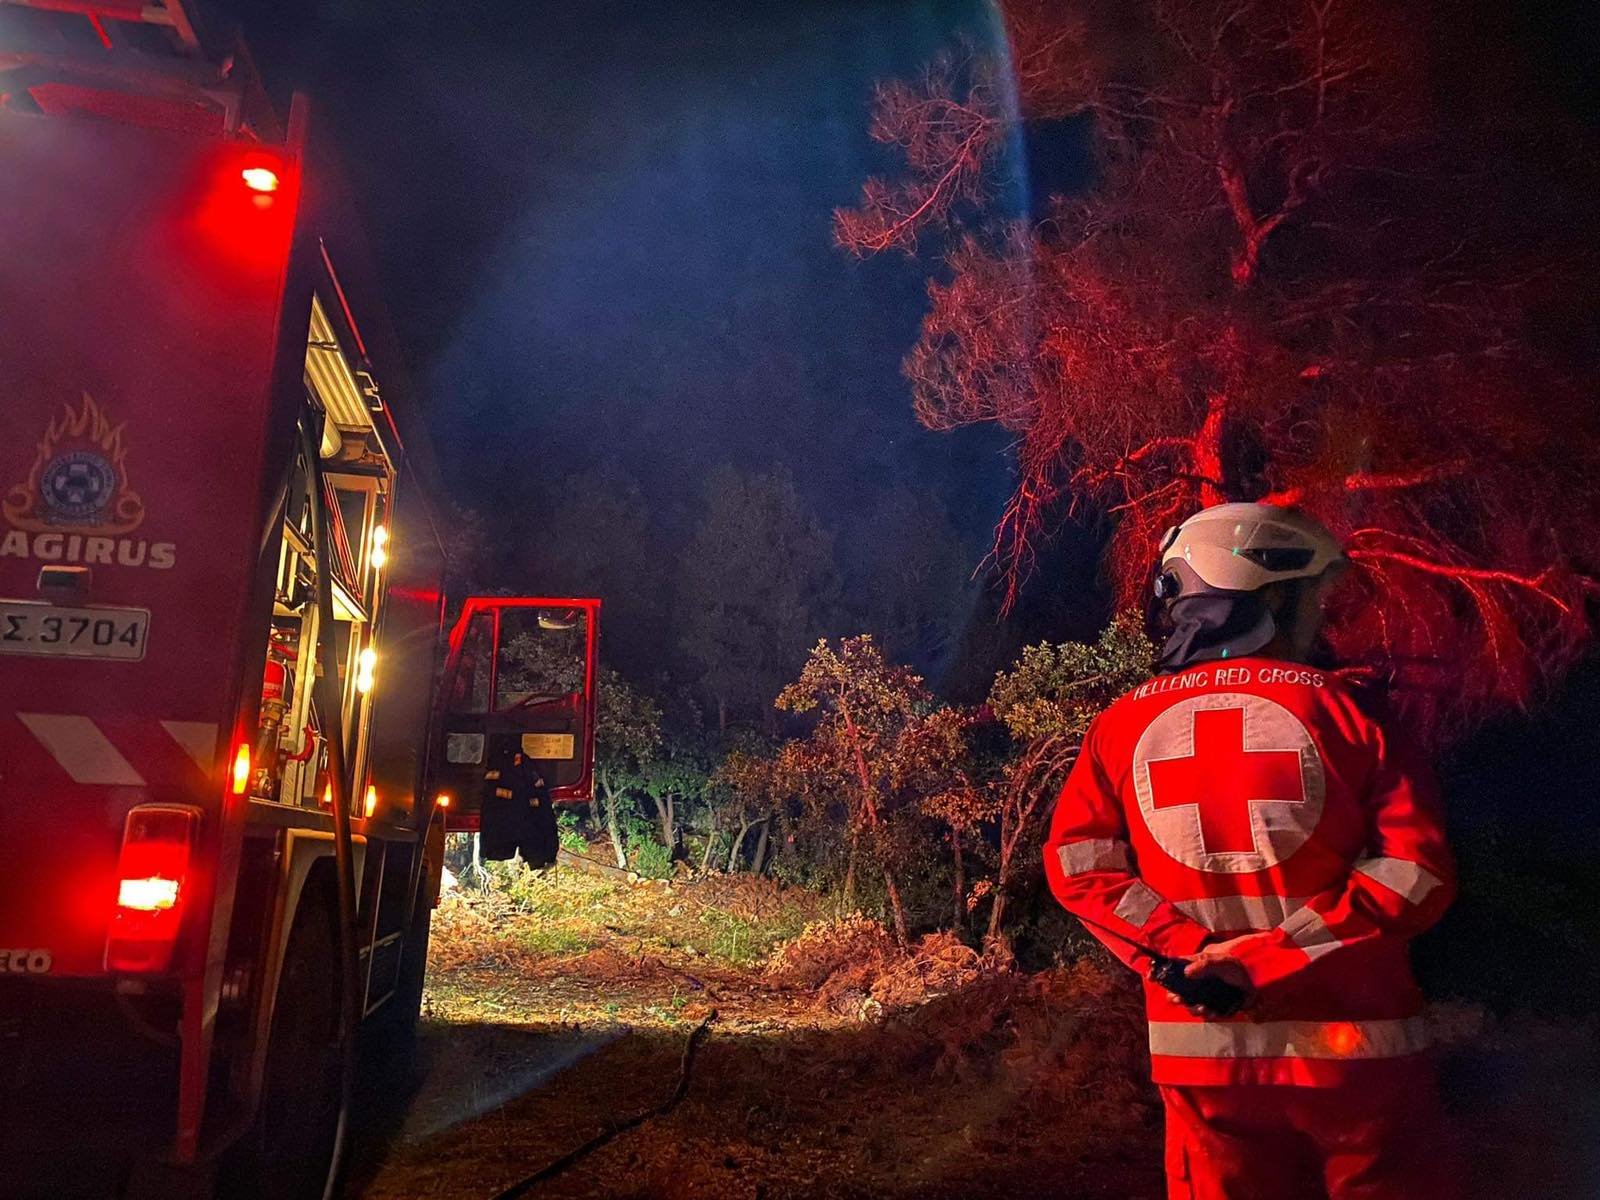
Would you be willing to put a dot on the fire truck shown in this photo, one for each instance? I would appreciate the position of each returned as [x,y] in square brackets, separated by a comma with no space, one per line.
[233,728]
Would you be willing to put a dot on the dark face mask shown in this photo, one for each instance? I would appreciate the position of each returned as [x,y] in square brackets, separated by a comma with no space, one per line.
[1215,625]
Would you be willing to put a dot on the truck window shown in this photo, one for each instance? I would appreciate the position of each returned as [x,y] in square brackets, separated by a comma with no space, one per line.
[542,656]
[470,688]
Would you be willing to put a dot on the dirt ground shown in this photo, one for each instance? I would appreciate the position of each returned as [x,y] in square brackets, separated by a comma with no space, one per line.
[834,1067]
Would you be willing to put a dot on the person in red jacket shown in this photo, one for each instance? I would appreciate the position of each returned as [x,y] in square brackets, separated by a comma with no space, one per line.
[1241,820]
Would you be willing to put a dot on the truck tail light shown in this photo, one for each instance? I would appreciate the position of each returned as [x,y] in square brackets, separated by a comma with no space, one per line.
[157,843]
[260,179]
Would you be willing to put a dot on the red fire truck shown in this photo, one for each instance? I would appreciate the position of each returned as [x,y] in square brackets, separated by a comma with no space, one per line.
[232,733]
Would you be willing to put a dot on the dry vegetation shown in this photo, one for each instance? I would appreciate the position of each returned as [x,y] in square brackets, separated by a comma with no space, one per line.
[838,1065]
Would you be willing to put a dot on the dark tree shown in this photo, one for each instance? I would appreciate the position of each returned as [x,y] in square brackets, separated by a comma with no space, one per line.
[591,534]
[627,741]
[756,585]
[910,576]
[468,552]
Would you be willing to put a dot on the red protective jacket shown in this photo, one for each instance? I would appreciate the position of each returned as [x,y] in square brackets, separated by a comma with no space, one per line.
[1255,795]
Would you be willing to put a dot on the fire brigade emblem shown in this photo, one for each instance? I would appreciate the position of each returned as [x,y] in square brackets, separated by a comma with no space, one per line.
[78,481]
[1228,783]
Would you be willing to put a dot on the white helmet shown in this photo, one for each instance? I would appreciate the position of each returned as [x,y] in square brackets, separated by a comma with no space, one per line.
[1233,548]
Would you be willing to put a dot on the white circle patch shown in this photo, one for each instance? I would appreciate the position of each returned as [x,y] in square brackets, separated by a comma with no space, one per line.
[1228,783]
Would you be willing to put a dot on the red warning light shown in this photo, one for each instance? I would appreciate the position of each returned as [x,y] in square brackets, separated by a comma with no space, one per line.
[243,213]
[260,179]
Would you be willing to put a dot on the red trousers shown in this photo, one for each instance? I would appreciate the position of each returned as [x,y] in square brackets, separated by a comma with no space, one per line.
[1355,1142]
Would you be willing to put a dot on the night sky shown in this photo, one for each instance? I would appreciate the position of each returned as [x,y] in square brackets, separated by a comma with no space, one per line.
[605,233]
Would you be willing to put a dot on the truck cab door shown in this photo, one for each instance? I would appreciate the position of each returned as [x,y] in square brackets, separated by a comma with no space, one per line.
[519,673]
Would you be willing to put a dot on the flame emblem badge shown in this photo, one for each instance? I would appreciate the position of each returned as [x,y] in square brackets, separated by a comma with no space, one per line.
[79,480]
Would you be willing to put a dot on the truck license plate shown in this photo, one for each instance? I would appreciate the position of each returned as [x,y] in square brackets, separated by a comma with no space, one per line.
[49,629]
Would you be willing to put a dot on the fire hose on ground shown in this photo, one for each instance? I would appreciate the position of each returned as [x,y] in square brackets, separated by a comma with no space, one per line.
[685,1065]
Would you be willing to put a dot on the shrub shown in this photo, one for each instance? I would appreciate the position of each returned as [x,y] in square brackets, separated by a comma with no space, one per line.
[516,882]
[650,859]
[825,948]
[572,839]
[553,941]
[733,938]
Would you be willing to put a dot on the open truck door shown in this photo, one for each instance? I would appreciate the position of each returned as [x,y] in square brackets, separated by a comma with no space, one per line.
[520,676]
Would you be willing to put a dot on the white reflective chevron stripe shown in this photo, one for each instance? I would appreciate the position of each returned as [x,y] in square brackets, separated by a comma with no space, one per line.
[83,752]
[1411,880]
[1137,903]
[1096,854]
[1223,914]
[1288,1039]
[198,739]
[1310,932]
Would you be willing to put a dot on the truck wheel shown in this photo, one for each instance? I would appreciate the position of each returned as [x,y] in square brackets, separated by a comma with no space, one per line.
[397,1019]
[286,1154]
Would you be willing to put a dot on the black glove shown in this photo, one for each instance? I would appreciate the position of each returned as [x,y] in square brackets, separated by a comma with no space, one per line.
[1216,995]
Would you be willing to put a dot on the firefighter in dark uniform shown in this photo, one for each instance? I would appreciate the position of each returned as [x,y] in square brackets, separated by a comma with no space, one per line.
[541,842]
[517,815]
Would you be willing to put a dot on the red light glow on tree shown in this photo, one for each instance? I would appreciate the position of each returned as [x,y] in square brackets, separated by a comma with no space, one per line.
[1289,280]
[877,745]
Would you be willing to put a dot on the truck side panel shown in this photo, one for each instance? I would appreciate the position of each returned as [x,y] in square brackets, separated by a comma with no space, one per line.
[140,286]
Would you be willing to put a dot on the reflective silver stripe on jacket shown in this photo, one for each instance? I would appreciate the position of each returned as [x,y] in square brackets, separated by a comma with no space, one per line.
[1096,854]
[1222,914]
[1310,932]
[1137,903]
[1288,1039]
[1408,879]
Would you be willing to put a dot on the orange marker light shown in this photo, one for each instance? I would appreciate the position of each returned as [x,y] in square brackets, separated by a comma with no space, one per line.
[443,800]
[1343,1038]
[241,769]
[260,179]
[372,800]
[327,796]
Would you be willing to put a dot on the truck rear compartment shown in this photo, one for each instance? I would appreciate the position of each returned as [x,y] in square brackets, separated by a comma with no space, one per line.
[141,286]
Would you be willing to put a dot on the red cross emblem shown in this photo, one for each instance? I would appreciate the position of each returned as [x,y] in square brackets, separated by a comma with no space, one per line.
[1219,801]
[1221,778]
